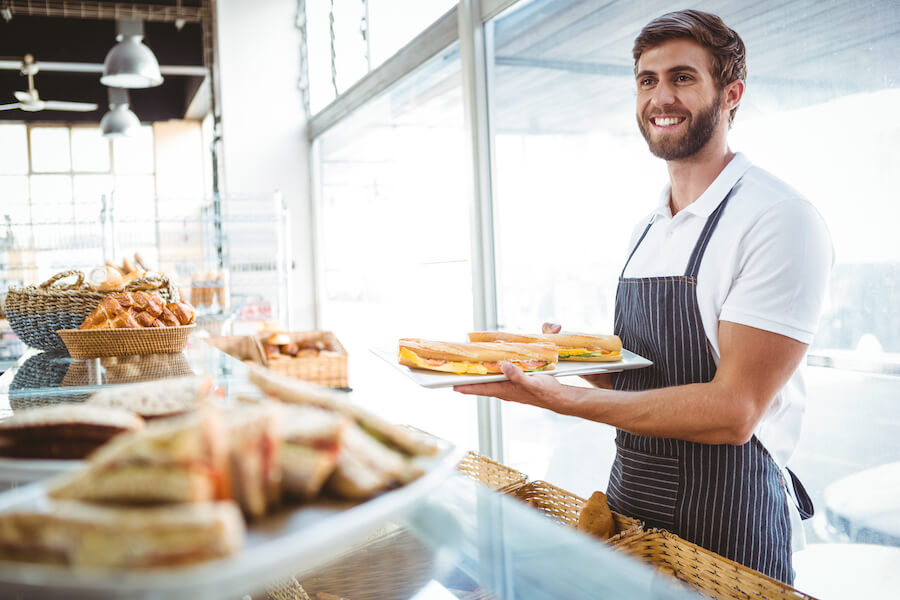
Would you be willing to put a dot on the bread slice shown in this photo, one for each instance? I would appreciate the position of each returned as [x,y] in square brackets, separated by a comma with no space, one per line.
[295,391]
[63,430]
[311,440]
[154,399]
[366,466]
[90,535]
[254,447]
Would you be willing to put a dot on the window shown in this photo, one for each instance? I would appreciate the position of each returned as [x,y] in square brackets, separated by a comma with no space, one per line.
[394,235]
[53,180]
[346,40]
[573,171]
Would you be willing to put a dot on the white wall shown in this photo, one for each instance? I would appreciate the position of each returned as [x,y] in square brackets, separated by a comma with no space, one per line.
[264,145]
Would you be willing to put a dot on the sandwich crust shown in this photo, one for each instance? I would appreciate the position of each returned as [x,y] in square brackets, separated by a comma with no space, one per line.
[83,534]
[606,343]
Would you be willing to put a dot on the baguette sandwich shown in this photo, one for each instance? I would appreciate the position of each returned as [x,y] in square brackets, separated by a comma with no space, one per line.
[81,534]
[479,358]
[581,347]
[66,431]
[178,459]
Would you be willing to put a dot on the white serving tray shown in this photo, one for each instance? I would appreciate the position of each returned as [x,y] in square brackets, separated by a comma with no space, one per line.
[435,379]
[292,542]
[16,471]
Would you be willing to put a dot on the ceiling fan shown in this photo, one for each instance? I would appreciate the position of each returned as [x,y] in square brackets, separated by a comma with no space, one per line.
[30,101]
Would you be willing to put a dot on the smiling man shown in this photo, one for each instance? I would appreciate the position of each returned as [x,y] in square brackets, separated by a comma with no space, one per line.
[722,290]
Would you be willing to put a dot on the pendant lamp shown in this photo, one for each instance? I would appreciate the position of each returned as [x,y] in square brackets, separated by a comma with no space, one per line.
[119,121]
[130,63]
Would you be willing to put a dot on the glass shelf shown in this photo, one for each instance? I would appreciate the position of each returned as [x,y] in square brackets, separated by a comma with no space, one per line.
[46,378]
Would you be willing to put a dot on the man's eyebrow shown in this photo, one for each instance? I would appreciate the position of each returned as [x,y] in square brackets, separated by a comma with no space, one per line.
[675,69]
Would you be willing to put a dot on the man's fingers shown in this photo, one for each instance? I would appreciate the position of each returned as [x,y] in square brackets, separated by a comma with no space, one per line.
[551,328]
[512,372]
[483,389]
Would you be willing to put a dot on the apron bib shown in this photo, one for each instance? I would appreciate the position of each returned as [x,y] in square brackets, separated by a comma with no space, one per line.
[728,499]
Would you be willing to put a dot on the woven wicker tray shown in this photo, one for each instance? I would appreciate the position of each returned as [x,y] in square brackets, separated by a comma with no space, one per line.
[491,473]
[94,343]
[565,507]
[706,572]
[327,368]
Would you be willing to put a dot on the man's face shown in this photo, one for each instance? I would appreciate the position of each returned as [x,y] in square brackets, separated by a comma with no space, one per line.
[679,104]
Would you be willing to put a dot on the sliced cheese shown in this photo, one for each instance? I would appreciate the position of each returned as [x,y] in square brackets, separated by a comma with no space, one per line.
[458,367]
[569,352]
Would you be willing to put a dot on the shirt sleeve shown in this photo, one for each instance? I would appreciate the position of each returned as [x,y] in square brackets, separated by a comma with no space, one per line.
[784,265]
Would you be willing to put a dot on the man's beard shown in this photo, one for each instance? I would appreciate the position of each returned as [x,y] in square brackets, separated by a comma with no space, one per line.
[701,127]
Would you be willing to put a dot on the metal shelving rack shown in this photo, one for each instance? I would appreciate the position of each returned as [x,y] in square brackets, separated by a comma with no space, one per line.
[241,245]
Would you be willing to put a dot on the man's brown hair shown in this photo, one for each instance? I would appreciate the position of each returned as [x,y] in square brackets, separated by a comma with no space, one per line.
[726,48]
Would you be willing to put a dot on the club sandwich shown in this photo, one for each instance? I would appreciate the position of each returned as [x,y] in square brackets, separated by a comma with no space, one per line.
[177,459]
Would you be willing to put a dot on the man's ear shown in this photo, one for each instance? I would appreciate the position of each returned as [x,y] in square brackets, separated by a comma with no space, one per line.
[733,93]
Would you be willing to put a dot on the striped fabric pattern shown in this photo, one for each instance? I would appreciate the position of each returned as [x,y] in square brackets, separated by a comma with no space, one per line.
[728,499]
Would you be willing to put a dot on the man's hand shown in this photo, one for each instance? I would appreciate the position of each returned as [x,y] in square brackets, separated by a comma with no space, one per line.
[754,365]
[537,390]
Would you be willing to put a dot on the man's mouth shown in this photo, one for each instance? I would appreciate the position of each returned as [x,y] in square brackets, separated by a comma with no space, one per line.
[666,121]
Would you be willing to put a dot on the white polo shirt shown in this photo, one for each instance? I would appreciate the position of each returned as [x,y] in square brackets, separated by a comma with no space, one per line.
[766,266]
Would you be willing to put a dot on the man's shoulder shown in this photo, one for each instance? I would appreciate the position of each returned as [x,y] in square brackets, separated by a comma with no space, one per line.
[766,189]
[760,193]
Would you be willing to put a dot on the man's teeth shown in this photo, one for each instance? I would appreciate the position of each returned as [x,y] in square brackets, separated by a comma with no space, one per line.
[666,121]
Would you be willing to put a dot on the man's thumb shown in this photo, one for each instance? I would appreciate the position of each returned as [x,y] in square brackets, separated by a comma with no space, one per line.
[551,328]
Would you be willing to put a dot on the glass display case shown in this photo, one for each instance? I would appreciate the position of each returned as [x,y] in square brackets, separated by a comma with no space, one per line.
[457,539]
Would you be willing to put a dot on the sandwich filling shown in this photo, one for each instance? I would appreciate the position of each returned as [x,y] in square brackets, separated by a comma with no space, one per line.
[585,353]
[466,367]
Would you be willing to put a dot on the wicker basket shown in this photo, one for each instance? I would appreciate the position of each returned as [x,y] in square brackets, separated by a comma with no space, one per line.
[36,312]
[327,368]
[491,473]
[706,572]
[241,347]
[396,565]
[94,343]
[43,370]
[565,507]
[289,589]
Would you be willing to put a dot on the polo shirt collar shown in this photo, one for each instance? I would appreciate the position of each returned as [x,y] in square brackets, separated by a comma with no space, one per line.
[714,194]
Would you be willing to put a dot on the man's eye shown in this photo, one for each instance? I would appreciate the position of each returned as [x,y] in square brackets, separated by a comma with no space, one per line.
[646,82]
[683,78]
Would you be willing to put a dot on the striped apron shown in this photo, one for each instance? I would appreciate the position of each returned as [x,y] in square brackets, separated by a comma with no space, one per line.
[726,498]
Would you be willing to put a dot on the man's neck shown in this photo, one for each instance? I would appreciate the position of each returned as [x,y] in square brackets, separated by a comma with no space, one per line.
[691,176]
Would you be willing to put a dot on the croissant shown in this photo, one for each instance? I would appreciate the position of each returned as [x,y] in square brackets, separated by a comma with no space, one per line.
[138,309]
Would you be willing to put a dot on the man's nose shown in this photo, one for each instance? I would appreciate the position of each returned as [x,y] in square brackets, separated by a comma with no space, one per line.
[663,94]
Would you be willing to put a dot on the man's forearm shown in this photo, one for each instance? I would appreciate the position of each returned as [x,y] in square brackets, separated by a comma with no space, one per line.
[705,412]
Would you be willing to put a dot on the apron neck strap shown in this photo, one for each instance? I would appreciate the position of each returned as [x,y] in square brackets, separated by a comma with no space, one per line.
[693,266]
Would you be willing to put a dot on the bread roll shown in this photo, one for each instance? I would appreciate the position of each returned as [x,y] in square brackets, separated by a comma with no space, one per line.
[105,279]
[596,518]
[137,309]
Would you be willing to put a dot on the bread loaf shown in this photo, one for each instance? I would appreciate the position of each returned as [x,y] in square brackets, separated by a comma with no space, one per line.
[138,309]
